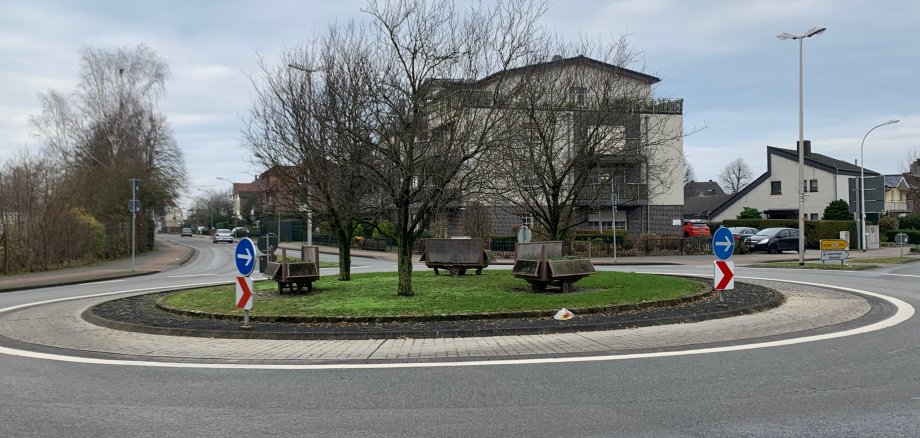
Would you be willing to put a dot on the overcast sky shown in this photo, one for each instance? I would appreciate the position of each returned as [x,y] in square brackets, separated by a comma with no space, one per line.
[738,81]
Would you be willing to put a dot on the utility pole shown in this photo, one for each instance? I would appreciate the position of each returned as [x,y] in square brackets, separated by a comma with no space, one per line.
[134,206]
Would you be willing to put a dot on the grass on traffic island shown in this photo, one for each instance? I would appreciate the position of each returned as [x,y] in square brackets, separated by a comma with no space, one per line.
[374,295]
[886,260]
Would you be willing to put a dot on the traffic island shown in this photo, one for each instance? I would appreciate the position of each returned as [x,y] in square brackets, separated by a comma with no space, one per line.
[148,314]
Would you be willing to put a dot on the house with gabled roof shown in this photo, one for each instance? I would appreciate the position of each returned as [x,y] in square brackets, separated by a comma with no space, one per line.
[897,192]
[775,193]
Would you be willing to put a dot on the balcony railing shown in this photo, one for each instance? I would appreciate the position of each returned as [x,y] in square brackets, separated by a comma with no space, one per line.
[899,205]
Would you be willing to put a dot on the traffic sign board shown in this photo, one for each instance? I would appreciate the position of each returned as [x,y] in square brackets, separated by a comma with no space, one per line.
[245,256]
[901,239]
[834,245]
[723,243]
[834,255]
[723,276]
[244,293]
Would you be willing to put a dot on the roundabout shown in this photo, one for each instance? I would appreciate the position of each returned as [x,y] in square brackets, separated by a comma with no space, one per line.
[834,359]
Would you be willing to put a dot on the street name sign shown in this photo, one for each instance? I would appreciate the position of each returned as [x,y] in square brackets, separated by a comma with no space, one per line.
[723,243]
[245,256]
[723,276]
[244,293]
[834,245]
[834,255]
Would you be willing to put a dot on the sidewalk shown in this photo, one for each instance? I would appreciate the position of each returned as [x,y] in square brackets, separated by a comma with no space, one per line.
[167,254]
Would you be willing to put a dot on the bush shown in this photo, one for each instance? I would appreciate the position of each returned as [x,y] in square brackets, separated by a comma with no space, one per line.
[749,213]
[838,210]
[910,222]
[887,223]
[913,236]
[596,236]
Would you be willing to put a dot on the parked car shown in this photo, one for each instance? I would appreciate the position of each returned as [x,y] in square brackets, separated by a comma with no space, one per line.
[742,233]
[186,232]
[775,240]
[222,235]
[696,230]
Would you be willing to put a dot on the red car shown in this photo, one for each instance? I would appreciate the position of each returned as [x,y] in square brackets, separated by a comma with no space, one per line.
[696,230]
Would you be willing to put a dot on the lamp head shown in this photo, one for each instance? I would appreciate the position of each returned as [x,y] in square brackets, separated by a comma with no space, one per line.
[892,121]
[814,31]
[786,36]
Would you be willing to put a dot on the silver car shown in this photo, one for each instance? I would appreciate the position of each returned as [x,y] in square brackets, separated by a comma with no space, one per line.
[222,235]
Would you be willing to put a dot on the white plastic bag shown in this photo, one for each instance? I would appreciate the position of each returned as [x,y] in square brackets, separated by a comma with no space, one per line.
[564,314]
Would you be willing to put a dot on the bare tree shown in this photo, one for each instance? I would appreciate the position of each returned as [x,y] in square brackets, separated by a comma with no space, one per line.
[735,175]
[689,174]
[109,131]
[423,145]
[477,221]
[583,124]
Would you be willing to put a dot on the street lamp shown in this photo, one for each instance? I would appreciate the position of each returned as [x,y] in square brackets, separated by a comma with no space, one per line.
[862,187]
[788,36]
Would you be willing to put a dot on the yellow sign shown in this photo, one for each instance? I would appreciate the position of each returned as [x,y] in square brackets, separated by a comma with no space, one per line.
[834,245]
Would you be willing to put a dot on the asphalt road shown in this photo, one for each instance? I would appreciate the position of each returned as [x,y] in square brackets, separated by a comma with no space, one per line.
[863,385]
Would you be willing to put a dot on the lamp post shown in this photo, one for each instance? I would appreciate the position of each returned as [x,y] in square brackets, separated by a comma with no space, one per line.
[862,187]
[309,72]
[788,36]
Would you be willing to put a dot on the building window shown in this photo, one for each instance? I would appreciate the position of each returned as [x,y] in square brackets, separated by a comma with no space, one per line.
[527,220]
[776,187]
[577,95]
[814,216]
[810,185]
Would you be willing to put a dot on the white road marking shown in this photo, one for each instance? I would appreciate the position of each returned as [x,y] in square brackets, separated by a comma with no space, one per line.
[102,282]
[903,275]
[191,275]
[905,311]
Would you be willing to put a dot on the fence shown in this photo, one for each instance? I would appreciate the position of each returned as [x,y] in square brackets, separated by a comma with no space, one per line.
[630,246]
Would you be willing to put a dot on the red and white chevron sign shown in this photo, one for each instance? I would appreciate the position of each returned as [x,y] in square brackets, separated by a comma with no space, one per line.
[723,276]
[244,293]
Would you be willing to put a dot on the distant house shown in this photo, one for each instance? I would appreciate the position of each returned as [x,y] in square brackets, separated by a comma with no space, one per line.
[169,218]
[775,193]
[897,191]
[912,177]
[701,198]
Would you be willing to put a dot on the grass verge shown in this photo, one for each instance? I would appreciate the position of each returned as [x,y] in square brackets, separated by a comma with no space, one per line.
[493,291]
[886,260]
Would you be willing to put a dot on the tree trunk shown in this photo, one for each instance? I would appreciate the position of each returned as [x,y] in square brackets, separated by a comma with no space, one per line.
[404,264]
[344,259]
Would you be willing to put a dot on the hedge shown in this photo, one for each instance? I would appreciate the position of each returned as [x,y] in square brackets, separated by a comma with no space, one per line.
[814,230]
[913,236]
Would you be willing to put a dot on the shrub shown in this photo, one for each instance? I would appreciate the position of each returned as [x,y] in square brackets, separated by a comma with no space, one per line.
[913,236]
[838,210]
[749,213]
[887,223]
[910,222]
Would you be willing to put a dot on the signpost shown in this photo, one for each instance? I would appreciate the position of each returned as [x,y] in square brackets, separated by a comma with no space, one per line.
[723,246]
[834,249]
[901,239]
[245,259]
[724,275]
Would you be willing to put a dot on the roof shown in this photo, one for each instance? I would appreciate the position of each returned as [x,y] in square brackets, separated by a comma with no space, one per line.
[823,162]
[702,206]
[562,62]
[702,188]
[812,159]
[892,181]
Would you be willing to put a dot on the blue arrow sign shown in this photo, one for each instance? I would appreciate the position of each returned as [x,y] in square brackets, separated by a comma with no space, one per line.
[245,256]
[723,243]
